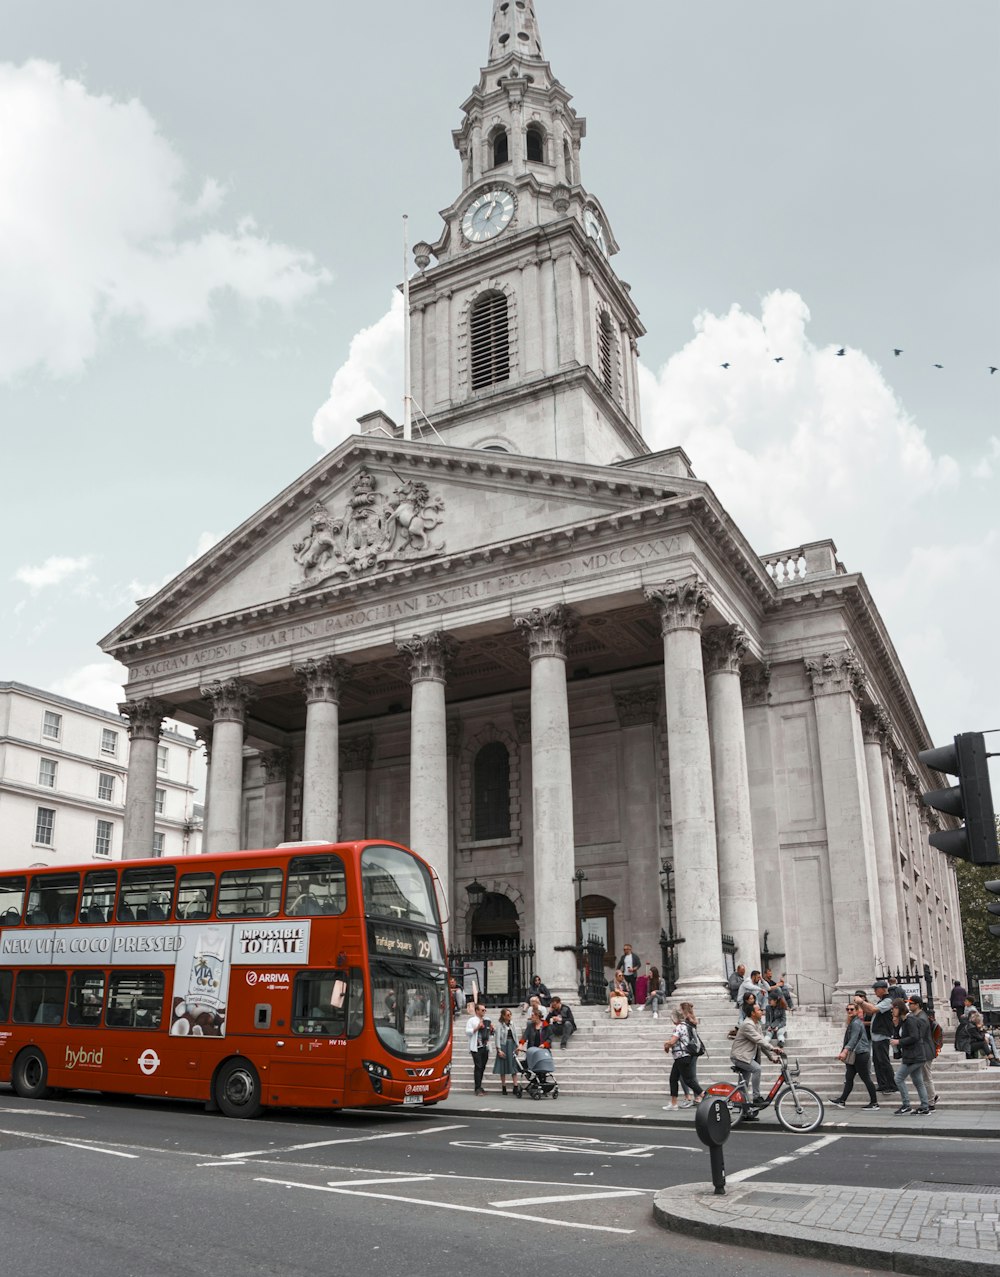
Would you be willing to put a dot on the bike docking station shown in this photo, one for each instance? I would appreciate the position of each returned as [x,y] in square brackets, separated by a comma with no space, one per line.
[713,1123]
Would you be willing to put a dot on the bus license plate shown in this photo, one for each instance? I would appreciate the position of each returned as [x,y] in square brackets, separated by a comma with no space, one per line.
[413,1099]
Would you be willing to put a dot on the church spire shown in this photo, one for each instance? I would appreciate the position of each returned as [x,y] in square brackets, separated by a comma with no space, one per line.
[514,29]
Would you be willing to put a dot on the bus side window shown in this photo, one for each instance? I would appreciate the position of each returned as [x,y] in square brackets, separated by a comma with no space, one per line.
[135,1000]
[6,984]
[39,996]
[355,1003]
[52,899]
[146,895]
[97,900]
[316,885]
[195,894]
[86,998]
[250,893]
[12,900]
[318,1003]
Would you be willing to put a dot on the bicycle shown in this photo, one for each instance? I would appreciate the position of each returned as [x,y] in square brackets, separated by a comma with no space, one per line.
[798,1108]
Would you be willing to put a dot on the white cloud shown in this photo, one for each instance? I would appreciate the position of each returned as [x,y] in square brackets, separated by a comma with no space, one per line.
[54,571]
[94,226]
[984,468]
[100,684]
[818,446]
[370,378]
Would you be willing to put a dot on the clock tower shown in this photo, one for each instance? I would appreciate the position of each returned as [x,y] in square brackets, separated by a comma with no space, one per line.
[522,336]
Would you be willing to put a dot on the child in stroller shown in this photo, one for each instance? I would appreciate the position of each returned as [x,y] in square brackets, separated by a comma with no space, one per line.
[535,1075]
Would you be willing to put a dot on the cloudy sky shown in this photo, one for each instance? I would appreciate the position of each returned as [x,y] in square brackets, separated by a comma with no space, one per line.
[200,237]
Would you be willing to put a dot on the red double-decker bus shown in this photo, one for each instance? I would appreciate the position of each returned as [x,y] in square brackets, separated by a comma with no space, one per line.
[311,975]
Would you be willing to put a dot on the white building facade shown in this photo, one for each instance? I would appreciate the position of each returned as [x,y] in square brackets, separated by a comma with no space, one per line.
[532,649]
[63,783]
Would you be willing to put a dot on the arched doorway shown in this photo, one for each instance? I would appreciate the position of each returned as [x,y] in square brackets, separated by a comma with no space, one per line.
[494,921]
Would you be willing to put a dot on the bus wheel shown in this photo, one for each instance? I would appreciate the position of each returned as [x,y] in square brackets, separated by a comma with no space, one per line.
[30,1074]
[237,1089]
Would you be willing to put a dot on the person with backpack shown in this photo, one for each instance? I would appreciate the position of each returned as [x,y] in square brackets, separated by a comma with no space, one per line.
[917,1048]
[684,1047]
[882,1030]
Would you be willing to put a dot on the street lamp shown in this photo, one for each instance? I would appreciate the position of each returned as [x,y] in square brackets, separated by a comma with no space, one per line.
[580,878]
[477,893]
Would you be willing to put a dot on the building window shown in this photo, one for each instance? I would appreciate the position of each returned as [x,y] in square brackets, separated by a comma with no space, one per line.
[535,144]
[489,340]
[109,743]
[51,725]
[105,832]
[158,844]
[45,826]
[501,151]
[161,758]
[606,348]
[159,800]
[491,784]
[47,772]
[105,787]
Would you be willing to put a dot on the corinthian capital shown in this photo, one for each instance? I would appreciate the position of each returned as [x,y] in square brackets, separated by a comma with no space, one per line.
[547,629]
[323,680]
[430,656]
[276,764]
[836,672]
[723,648]
[682,604]
[145,718]
[755,684]
[229,700]
[356,753]
[875,726]
[637,705]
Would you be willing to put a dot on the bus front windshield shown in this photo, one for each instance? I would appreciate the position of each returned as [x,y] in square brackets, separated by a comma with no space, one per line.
[410,1007]
[396,885]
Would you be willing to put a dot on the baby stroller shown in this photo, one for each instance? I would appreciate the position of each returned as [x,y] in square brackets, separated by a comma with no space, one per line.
[536,1074]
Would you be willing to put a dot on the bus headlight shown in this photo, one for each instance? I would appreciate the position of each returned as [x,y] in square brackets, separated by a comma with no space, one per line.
[376,1073]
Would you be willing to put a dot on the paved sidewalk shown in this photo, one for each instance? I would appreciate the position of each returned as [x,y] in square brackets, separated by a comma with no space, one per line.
[947,1234]
[966,1121]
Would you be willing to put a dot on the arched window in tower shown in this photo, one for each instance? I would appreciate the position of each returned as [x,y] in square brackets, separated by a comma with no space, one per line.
[501,149]
[535,147]
[491,786]
[568,161]
[606,351]
[489,338]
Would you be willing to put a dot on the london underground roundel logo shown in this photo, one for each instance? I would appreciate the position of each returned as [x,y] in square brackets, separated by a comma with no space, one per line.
[149,1061]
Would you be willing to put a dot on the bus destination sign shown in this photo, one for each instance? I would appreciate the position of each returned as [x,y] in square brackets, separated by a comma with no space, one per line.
[402,942]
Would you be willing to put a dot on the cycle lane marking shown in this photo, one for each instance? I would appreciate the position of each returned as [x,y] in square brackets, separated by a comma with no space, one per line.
[575,1197]
[814,1147]
[52,1139]
[354,1139]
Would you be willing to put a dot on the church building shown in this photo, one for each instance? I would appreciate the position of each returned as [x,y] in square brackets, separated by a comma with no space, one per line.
[540,654]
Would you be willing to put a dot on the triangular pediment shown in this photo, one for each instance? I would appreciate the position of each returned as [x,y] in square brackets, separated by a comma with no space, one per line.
[372,508]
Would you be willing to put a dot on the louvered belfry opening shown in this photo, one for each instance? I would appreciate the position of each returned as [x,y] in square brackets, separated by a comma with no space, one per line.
[607,353]
[490,341]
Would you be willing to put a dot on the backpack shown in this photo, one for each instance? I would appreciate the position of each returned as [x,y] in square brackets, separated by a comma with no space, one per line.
[694,1044]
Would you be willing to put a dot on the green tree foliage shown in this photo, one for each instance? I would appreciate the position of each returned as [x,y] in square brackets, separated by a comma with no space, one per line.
[982,951]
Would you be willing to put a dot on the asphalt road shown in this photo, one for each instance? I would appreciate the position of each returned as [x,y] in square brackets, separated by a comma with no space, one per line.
[133,1188]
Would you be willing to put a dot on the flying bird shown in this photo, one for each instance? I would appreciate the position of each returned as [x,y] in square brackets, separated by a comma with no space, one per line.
[896,351]
[779,359]
[723,365]
[842,351]
[992,370]
[939,365]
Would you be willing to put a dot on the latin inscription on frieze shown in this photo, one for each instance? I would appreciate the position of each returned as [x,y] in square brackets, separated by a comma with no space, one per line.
[507,582]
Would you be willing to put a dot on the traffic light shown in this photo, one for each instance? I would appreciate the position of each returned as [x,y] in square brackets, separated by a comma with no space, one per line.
[970,799]
[993,906]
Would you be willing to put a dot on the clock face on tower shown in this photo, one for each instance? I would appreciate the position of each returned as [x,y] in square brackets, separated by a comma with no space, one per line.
[488,215]
[594,228]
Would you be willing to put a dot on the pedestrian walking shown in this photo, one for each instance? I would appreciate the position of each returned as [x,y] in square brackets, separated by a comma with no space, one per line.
[880,1010]
[914,1042]
[681,1047]
[856,1057]
[957,998]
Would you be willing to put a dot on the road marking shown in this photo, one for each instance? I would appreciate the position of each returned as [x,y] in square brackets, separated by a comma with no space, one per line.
[572,1197]
[51,1139]
[356,1139]
[532,1142]
[77,1117]
[470,1210]
[814,1147]
[397,1179]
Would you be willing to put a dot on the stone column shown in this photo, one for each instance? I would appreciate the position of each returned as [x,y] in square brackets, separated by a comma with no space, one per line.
[874,730]
[638,709]
[755,684]
[429,658]
[229,701]
[145,719]
[276,764]
[548,631]
[682,606]
[204,734]
[837,681]
[355,758]
[723,649]
[322,682]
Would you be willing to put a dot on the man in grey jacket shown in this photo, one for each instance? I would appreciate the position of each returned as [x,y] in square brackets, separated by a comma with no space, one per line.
[743,1055]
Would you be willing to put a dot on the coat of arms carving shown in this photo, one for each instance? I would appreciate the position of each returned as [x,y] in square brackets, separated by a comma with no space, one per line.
[374,532]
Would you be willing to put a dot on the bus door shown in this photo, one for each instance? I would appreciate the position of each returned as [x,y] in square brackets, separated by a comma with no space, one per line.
[309,1060]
